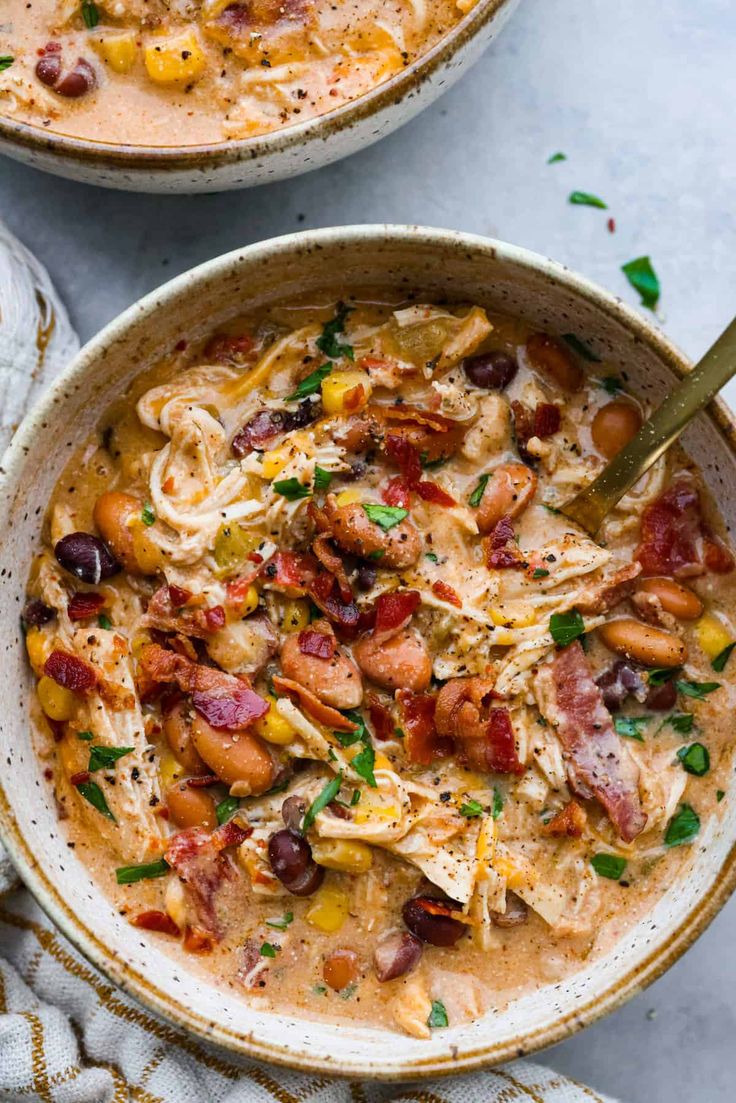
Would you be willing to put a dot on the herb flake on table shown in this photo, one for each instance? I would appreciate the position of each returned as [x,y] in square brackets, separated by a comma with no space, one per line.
[320,802]
[385,516]
[581,348]
[291,489]
[630,726]
[683,827]
[311,383]
[104,758]
[328,342]
[566,627]
[585,199]
[147,871]
[642,277]
[719,663]
[556,158]
[611,866]
[92,793]
[695,759]
[438,1016]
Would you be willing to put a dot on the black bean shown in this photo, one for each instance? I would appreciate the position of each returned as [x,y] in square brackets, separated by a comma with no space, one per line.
[429,920]
[366,577]
[36,613]
[86,557]
[662,698]
[48,68]
[617,682]
[491,370]
[396,954]
[291,860]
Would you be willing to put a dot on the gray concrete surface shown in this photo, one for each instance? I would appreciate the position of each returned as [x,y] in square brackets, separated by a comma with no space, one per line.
[640,96]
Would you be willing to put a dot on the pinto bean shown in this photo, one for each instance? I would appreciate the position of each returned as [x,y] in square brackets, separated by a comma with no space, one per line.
[178,731]
[674,598]
[116,516]
[291,860]
[396,954]
[336,681]
[401,662]
[292,813]
[642,643]
[613,426]
[431,921]
[340,969]
[190,807]
[550,357]
[507,494]
[355,533]
[78,81]
[236,757]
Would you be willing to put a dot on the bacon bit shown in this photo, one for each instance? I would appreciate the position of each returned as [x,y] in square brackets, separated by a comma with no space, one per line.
[354,398]
[179,596]
[156,921]
[381,719]
[81,778]
[71,672]
[404,412]
[716,556]
[674,538]
[344,614]
[570,820]
[224,348]
[500,547]
[397,492]
[48,773]
[431,492]
[197,941]
[331,561]
[202,782]
[544,421]
[169,485]
[255,557]
[232,710]
[446,593]
[84,604]
[196,857]
[422,742]
[319,644]
[230,834]
[394,610]
[293,572]
[601,597]
[499,751]
[181,346]
[405,456]
[320,712]
[215,618]
[547,420]
[183,646]
[486,736]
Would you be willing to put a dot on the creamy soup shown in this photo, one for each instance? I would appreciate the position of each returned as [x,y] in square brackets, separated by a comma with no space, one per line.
[183,72]
[337,704]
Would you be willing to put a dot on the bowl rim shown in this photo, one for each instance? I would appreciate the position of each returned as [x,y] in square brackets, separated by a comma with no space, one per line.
[216,154]
[141,988]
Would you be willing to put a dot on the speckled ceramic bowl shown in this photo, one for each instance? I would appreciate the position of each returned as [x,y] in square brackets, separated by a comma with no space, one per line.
[286,152]
[437,264]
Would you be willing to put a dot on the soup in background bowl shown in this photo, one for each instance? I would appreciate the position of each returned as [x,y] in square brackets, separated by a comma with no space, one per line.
[346,723]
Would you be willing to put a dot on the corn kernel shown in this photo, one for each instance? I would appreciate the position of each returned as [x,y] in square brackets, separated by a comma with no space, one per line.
[116,50]
[274,462]
[340,392]
[381,762]
[347,855]
[367,811]
[348,497]
[175,59]
[519,615]
[295,616]
[273,727]
[712,635]
[249,603]
[169,769]
[38,645]
[57,702]
[329,910]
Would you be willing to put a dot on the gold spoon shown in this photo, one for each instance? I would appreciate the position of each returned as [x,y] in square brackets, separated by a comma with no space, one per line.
[700,385]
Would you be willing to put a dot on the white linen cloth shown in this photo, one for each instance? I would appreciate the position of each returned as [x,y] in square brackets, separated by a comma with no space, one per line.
[67,1035]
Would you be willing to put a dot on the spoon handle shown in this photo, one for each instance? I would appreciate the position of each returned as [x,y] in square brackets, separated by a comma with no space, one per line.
[700,385]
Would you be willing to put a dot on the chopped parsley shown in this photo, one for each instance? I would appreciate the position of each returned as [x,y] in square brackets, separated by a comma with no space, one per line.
[282,922]
[90,14]
[322,478]
[480,486]
[581,348]
[355,799]
[658,675]
[566,627]
[92,793]
[226,809]
[695,759]
[683,827]
[630,726]
[611,866]
[585,199]
[720,794]
[377,554]
[291,489]
[103,758]
[540,572]
[5,62]
[471,808]
[431,557]
[365,760]
[682,722]
[86,737]
[320,802]
[719,663]
[438,1015]
[611,384]
[698,690]
[311,383]
[148,517]
[556,158]
[643,278]
[328,342]
[497,807]
[104,621]
[385,516]
[128,875]
[269,950]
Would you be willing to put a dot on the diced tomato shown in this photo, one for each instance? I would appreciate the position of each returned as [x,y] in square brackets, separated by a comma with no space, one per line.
[320,644]
[71,672]
[157,921]
[446,593]
[84,604]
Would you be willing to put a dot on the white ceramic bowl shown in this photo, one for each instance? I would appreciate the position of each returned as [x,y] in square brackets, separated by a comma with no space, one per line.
[437,264]
[287,152]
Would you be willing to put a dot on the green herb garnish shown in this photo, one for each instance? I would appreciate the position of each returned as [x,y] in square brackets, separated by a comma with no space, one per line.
[322,478]
[385,516]
[269,950]
[540,572]
[695,759]
[5,62]
[719,663]
[319,990]
[128,875]
[556,158]
[720,794]
[364,762]
[683,827]
[92,793]
[148,517]
[355,799]
[226,809]
[480,486]
[282,922]
[431,557]
[581,348]
[104,621]
[291,489]
[497,807]
[698,690]
[470,809]
[566,627]
[643,278]
[377,554]
[328,794]
[585,199]
[438,1015]
[611,866]
[630,726]
[661,674]
[682,722]
[86,737]
[103,758]
[90,14]
[311,383]
[328,342]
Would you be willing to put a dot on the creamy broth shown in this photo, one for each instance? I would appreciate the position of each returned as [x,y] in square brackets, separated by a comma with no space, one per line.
[366,729]
[202,71]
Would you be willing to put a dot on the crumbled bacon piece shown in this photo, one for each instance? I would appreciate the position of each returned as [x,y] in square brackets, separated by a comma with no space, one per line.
[344,614]
[422,742]
[431,492]
[547,420]
[675,539]
[225,348]
[446,593]
[157,921]
[202,782]
[569,821]
[500,547]
[80,779]
[380,717]
[394,610]
[178,596]
[331,561]
[405,456]
[320,644]
[230,710]
[397,492]
[230,834]
[84,604]
[484,734]
[317,709]
[197,858]
[215,618]
[71,672]
[197,941]
[293,572]
[543,421]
